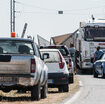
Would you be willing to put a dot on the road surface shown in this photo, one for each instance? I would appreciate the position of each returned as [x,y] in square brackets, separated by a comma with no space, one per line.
[92,91]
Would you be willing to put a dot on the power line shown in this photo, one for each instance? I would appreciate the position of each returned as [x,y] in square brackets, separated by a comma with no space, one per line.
[86,8]
[34,6]
[55,13]
[49,9]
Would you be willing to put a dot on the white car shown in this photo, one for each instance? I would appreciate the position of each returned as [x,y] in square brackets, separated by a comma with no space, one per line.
[58,74]
[66,54]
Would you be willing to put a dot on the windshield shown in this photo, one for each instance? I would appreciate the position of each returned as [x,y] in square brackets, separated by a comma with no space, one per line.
[53,56]
[16,47]
[94,33]
[63,52]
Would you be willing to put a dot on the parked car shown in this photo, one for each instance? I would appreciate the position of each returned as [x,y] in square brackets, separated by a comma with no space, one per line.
[21,67]
[65,53]
[99,67]
[58,73]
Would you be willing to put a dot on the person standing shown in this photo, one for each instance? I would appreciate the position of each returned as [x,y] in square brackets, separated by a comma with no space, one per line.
[98,54]
[72,54]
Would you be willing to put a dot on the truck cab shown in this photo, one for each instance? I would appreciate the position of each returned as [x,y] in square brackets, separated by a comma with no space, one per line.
[90,35]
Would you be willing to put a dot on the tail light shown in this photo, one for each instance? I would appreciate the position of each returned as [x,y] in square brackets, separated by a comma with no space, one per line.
[70,63]
[61,63]
[33,65]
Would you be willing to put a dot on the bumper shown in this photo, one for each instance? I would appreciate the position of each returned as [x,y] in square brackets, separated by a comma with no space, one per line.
[20,80]
[87,65]
[57,78]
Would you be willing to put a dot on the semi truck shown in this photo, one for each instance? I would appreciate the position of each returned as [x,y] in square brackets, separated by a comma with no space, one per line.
[89,35]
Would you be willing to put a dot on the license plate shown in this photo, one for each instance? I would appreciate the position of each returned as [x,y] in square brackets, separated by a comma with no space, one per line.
[50,81]
[6,79]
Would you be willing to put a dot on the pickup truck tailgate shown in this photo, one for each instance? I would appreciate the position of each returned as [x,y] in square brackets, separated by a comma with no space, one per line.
[14,64]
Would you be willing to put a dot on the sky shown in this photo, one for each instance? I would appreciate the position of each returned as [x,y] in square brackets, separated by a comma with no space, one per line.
[43,18]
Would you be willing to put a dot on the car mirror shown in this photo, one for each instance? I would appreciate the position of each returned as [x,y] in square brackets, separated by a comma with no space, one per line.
[45,56]
[67,62]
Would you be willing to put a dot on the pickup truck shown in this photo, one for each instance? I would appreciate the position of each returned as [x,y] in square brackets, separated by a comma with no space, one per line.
[21,67]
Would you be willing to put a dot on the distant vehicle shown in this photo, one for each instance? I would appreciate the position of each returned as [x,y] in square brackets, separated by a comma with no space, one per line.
[89,35]
[21,67]
[65,53]
[58,73]
[99,67]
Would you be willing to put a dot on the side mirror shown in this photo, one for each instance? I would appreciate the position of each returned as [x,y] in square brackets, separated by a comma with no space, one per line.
[45,56]
[67,62]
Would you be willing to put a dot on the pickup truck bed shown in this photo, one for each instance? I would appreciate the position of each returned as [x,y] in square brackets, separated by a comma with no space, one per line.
[17,64]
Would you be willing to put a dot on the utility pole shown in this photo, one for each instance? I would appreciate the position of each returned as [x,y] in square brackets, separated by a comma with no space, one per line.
[12,18]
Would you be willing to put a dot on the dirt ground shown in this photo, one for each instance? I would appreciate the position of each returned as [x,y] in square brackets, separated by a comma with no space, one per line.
[53,97]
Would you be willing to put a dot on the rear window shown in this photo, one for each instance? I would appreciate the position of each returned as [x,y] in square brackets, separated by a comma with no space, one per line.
[16,47]
[53,56]
[64,50]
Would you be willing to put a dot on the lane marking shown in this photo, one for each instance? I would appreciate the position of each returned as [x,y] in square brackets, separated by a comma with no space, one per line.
[70,101]
[80,84]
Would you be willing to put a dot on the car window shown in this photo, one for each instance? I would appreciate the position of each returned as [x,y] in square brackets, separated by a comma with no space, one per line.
[63,52]
[16,47]
[53,56]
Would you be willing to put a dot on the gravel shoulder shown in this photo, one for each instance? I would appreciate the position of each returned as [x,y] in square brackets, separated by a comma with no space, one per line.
[53,97]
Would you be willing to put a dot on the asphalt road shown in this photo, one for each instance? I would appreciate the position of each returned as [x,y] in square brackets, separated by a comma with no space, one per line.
[92,91]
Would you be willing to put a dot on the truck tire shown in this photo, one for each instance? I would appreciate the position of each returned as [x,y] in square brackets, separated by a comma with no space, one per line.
[95,74]
[44,90]
[66,88]
[60,89]
[36,92]
[71,78]
[103,75]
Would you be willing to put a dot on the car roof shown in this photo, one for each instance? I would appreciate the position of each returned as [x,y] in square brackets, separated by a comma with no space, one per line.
[53,46]
[17,39]
[56,47]
[49,50]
